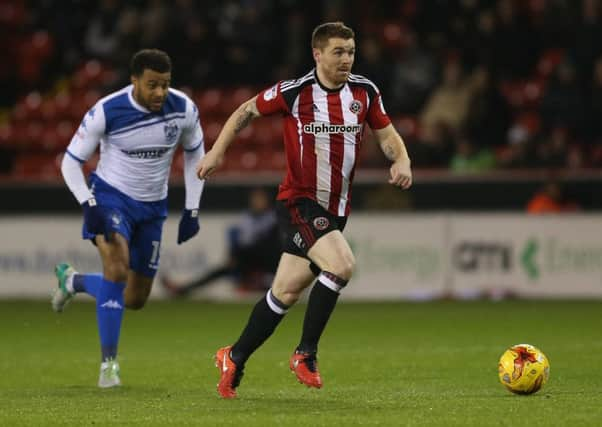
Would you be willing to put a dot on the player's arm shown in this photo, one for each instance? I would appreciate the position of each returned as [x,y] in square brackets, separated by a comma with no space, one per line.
[394,148]
[193,144]
[237,121]
[82,146]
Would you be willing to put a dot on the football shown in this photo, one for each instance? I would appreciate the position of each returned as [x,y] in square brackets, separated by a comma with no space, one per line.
[523,369]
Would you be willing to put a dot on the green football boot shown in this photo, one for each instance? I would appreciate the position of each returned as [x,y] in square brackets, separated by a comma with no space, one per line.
[61,295]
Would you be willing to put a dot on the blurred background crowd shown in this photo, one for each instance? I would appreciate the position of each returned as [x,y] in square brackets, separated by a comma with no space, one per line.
[472,85]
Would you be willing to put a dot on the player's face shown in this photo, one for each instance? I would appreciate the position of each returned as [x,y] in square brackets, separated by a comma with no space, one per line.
[336,59]
[151,88]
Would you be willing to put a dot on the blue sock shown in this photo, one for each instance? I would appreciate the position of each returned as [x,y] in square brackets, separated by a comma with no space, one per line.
[88,283]
[109,312]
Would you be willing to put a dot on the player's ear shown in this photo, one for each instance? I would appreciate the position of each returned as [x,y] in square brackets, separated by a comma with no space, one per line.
[316,54]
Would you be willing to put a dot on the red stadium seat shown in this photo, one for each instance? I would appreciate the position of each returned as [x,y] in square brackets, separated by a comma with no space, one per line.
[37,166]
[262,131]
[212,130]
[208,101]
[64,130]
[277,160]
[33,105]
[87,75]
[18,134]
[50,137]
[62,103]
[241,95]
[34,132]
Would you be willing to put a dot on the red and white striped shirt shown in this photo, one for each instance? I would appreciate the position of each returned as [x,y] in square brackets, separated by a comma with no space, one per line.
[323,129]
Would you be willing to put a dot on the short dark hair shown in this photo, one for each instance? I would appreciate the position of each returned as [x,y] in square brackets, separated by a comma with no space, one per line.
[152,59]
[324,32]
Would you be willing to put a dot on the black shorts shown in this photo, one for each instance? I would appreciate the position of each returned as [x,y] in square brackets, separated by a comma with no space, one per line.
[302,222]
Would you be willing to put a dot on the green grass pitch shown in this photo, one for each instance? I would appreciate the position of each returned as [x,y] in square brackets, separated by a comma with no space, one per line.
[426,364]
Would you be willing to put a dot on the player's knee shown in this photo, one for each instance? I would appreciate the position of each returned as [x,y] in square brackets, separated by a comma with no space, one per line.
[332,281]
[288,298]
[116,271]
[344,267]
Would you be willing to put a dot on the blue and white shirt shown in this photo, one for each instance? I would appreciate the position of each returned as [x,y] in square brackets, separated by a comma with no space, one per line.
[137,145]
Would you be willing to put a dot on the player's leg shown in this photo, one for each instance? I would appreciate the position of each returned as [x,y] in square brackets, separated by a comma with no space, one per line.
[332,253]
[292,277]
[115,208]
[333,261]
[137,290]
[110,304]
[145,253]
[334,256]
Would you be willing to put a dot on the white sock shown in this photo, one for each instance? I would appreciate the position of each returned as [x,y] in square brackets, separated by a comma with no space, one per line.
[69,283]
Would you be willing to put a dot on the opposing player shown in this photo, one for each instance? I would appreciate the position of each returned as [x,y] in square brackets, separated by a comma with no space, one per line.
[138,128]
[324,116]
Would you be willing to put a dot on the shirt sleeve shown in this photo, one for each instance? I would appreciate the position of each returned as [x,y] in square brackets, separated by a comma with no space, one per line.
[87,137]
[192,134]
[74,178]
[193,143]
[271,101]
[377,117]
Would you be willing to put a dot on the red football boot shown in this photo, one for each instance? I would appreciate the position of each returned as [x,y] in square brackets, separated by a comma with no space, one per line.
[230,374]
[305,367]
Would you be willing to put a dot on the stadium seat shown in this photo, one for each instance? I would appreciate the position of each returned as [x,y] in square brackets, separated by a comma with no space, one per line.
[32,104]
[50,137]
[37,166]
[87,75]
[62,103]
[211,130]
[34,132]
[208,101]
[65,130]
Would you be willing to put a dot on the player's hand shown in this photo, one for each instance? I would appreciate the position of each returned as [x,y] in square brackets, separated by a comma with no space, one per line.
[95,219]
[210,161]
[401,174]
[189,225]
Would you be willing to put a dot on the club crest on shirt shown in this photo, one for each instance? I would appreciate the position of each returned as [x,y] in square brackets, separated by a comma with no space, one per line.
[356,106]
[116,220]
[271,93]
[321,223]
[171,132]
